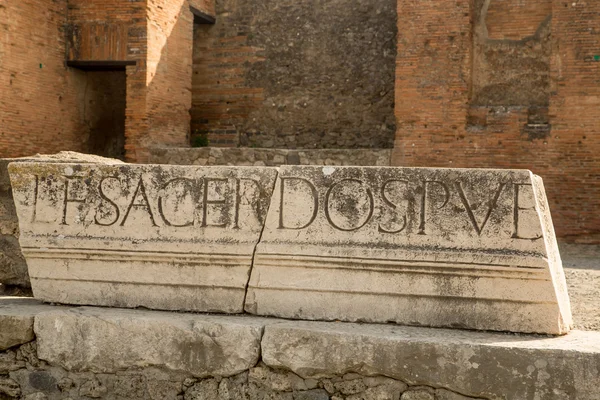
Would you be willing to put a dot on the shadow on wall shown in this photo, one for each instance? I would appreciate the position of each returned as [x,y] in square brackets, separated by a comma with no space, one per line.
[169,72]
[164,79]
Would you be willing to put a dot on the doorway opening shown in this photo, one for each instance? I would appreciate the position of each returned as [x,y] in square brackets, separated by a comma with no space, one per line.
[105,98]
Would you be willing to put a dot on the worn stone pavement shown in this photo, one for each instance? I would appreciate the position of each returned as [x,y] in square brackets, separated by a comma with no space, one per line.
[582,269]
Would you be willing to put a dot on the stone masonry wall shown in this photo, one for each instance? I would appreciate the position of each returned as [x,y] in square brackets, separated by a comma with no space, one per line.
[268,157]
[56,353]
[24,376]
[40,100]
[295,74]
[505,84]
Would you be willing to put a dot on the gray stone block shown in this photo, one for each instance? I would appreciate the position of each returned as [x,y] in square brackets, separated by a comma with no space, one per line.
[476,364]
[17,318]
[109,340]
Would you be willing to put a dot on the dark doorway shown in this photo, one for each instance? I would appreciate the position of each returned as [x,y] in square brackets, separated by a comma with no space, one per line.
[105,102]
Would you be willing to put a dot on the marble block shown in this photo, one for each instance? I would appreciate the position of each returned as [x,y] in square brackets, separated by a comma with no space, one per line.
[462,248]
[161,237]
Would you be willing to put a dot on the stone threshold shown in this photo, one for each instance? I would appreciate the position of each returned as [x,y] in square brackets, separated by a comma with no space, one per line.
[476,364]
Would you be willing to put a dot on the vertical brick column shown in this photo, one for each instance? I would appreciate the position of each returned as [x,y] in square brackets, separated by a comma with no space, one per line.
[432,79]
[168,74]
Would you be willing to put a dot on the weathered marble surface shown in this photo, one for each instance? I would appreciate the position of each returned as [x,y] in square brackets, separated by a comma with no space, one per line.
[162,237]
[13,268]
[436,247]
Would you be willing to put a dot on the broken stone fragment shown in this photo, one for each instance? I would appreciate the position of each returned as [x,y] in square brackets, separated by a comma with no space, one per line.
[461,248]
[161,237]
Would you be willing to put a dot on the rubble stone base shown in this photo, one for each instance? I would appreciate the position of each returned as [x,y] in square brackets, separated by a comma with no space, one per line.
[104,353]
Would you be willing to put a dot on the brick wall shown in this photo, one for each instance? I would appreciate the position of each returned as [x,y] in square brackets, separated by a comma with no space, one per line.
[169,75]
[47,107]
[515,20]
[548,128]
[40,104]
[100,30]
[479,83]
[157,35]
[573,152]
[511,53]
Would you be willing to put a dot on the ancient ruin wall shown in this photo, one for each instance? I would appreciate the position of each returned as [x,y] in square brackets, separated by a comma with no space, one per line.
[31,378]
[90,22]
[40,101]
[292,74]
[504,85]
[268,157]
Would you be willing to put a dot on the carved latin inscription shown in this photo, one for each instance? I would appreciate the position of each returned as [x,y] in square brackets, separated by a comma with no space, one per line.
[179,202]
[403,206]
[438,247]
[164,237]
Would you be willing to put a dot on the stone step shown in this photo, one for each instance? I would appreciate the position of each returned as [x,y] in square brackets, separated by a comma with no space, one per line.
[476,364]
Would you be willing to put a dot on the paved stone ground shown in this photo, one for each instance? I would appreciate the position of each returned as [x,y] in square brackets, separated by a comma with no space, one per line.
[582,268]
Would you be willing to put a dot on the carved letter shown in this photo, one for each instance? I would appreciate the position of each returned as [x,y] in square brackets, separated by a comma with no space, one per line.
[516,210]
[394,206]
[315,197]
[67,200]
[371,206]
[160,203]
[467,205]
[112,203]
[206,202]
[424,202]
[144,204]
